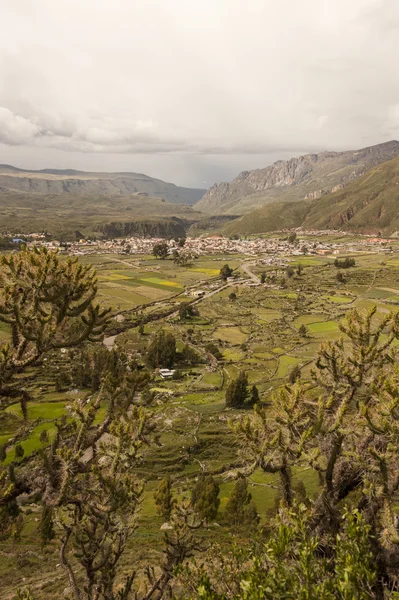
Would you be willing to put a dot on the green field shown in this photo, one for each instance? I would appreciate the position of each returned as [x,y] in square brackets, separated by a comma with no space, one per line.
[257,333]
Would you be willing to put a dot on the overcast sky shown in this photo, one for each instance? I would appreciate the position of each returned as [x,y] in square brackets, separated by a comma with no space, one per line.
[194,91]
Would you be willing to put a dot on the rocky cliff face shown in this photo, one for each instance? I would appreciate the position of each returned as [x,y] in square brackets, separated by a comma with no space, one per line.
[79,183]
[306,177]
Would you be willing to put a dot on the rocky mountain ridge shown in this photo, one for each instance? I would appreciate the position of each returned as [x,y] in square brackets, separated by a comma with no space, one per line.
[369,204]
[310,176]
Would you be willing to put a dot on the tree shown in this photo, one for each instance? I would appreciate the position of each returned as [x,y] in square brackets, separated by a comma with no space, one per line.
[48,304]
[47,532]
[187,311]
[181,242]
[290,272]
[346,263]
[211,348]
[19,451]
[292,564]
[160,250]
[294,375]
[183,259]
[162,350]
[44,436]
[303,330]
[340,277]
[205,498]
[164,499]
[263,277]
[292,237]
[89,486]
[350,437]
[254,397]
[299,270]
[189,355]
[237,391]
[232,296]
[226,272]
[240,508]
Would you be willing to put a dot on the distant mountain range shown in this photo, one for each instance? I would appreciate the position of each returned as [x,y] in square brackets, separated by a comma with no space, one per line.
[53,182]
[370,204]
[307,177]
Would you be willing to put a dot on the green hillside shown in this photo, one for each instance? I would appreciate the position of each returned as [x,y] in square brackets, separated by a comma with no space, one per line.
[368,204]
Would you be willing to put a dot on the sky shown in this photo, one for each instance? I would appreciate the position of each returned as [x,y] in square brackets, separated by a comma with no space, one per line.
[194,91]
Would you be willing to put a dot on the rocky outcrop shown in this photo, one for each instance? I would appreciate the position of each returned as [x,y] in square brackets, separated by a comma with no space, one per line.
[306,177]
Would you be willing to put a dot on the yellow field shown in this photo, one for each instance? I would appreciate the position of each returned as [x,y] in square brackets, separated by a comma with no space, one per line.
[160,281]
[210,272]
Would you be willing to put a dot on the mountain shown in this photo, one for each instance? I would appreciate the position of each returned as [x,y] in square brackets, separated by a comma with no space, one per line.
[307,177]
[80,183]
[369,204]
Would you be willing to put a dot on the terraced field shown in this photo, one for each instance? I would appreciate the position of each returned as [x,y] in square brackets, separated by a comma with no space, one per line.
[257,332]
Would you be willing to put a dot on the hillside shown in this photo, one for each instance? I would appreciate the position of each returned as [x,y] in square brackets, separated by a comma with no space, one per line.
[369,204]
[55,182]
[66,213]
[307,177]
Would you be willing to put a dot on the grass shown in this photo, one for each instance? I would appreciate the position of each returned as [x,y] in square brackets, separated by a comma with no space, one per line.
[39,410]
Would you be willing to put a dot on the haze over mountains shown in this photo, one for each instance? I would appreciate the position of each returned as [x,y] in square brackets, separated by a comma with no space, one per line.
[307,177]
[81,183]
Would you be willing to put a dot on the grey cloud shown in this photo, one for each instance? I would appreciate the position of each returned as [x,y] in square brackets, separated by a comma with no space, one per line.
[186,78]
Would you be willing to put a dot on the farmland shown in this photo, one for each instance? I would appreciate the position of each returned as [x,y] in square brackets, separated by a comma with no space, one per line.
[258,331]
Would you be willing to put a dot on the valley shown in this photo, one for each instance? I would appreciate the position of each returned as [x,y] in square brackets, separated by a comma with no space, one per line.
[270,330]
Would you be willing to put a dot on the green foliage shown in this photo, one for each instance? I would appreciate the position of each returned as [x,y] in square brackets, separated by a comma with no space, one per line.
[187,311]
[160,250]
[292,237]
[237,391]
[19,451]
[292,565]
[254,396]
[48,304]
[294,375]
[162,350]
[290,272]
[303,330]
[164,499]
[240,508]
[263,277]
[204,497]
[47,532]
[226,272]
[189,356]
[214,350]
[232,296]
[345,263]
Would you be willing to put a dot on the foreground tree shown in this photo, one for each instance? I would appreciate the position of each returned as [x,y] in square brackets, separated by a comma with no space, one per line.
[48,304]
[349,435]
[291,564]
[84,478]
